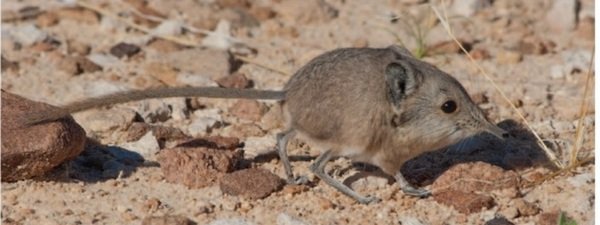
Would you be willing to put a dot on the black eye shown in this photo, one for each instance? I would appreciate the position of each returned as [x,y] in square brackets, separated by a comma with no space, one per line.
[449,106]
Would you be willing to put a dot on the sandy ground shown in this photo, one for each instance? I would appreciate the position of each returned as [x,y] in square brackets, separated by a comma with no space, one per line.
[537,55]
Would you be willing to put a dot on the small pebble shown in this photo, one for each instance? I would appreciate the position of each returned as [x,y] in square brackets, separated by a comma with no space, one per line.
[123,49]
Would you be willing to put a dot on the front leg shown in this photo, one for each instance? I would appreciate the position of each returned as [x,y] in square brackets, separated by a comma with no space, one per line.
[408,189]
[318,167]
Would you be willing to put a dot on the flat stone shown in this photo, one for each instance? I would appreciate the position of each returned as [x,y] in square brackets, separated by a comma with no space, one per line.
[147,146]
[464,202]
[236,80]
[248,109]
[461,186]
[254,183]
[34,150]
[476,177]
[106,121]
[195,165]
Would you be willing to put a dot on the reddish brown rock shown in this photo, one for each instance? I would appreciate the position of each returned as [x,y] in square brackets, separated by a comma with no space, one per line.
[195,165]
[162,133]
[463,202]
[34,150]
[236,80]
[463,186]
[167,220]
[476,177]
[248,109]
[254,183]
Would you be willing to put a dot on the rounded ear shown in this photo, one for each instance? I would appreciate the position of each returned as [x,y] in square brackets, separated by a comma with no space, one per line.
[400,80]
[401,50]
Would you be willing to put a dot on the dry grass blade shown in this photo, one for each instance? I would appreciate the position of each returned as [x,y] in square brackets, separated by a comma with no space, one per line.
[583,111]
[444,21]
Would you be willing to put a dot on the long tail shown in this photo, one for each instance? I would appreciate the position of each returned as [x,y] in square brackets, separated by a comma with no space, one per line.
[136,95]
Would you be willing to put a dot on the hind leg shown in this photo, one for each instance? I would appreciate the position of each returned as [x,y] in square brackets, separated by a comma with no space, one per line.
[282,141]
[318,167]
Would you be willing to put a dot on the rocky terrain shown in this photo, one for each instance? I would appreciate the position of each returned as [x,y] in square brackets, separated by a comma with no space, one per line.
[212,161]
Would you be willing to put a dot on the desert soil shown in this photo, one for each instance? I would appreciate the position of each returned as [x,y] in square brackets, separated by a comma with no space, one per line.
[537,52]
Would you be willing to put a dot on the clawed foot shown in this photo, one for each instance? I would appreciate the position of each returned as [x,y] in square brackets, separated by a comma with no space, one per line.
[368,200]
[417,192]
[299,180]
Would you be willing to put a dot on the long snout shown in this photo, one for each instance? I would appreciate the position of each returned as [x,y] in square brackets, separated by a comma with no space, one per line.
[495,130]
